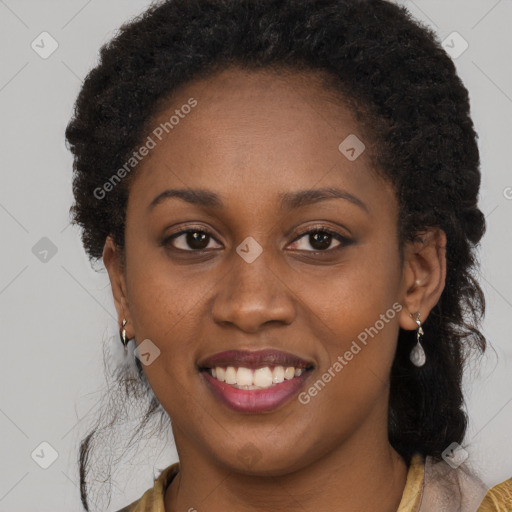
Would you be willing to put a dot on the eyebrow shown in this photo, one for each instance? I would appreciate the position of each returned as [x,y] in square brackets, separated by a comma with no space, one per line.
[288,200]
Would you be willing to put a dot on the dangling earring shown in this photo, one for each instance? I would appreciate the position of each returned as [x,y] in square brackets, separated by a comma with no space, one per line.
[418,356]
[122,335]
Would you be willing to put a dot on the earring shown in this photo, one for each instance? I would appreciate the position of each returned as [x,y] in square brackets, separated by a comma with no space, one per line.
[122,335]
[418,357]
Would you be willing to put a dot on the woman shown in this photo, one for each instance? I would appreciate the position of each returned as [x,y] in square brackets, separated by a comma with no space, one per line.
[284,195]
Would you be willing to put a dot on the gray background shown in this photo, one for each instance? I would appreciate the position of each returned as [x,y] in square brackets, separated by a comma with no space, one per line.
[55,311]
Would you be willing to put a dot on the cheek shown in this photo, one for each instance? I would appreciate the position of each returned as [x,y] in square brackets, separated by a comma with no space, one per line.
[166,310]
[356,321]
[161,296]
[351,297]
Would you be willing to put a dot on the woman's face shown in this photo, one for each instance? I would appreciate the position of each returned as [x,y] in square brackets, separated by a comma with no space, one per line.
[294,269]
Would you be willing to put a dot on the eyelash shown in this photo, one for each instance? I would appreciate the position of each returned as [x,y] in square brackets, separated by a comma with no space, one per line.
[344,241]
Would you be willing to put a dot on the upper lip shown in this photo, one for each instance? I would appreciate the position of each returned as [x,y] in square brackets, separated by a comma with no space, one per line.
[253,359]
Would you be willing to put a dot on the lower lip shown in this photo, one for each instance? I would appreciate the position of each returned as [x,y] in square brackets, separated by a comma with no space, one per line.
[255,400]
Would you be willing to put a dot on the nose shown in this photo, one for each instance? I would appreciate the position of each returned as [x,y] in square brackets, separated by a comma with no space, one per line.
[253,294]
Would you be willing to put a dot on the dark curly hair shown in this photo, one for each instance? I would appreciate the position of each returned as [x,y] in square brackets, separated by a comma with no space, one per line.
[413,109]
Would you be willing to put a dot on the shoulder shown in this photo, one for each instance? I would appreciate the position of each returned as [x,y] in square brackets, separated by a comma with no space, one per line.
[153,499]
[498,498]
[459,489]
[137,505]
[451,487]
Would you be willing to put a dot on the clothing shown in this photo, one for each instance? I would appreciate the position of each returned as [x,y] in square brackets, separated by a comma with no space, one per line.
[430,487]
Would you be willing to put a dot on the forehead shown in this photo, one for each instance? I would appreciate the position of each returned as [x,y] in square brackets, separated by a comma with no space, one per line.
[255,133]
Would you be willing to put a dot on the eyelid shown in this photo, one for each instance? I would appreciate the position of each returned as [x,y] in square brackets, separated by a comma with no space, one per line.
[202,229]
[322,228]
[344,240]
[319,228]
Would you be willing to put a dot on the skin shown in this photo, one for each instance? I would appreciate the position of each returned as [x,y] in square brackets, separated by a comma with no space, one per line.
[252,136]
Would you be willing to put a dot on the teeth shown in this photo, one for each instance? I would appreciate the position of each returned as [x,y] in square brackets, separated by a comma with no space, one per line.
[289,373]
[230,375]
[261,378]
[278,375]
[244,377]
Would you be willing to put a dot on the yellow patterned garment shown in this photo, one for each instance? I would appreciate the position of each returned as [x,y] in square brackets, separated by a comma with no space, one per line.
[427,489]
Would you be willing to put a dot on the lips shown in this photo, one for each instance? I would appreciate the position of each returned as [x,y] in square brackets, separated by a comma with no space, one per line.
[254,360]
[254,382]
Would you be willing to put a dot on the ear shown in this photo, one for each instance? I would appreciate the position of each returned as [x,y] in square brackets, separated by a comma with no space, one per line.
[113,261]
[424,275]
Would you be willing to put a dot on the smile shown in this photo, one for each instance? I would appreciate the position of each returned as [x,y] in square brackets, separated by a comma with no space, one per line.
[254,382]
[262,378]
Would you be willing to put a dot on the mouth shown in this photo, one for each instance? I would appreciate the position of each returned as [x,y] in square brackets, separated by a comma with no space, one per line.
[255,381]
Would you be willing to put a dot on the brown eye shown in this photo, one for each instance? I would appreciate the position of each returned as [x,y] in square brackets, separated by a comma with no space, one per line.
[319,239]
[190,240]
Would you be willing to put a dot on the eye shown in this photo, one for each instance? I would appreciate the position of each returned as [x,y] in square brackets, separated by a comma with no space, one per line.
[192,239]
[320,239]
